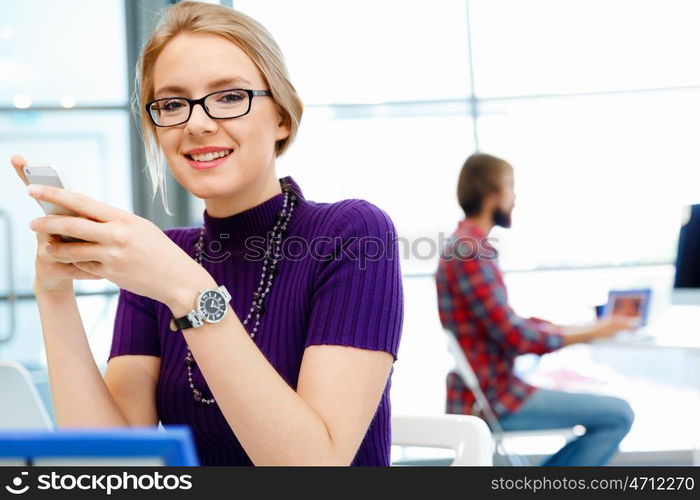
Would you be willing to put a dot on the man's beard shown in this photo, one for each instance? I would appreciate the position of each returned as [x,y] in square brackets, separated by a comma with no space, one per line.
[501,217]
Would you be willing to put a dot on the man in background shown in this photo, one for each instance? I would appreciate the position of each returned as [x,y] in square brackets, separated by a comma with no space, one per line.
[473,305]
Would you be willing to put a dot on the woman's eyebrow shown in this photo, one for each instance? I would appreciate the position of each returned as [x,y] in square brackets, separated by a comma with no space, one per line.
[214,84]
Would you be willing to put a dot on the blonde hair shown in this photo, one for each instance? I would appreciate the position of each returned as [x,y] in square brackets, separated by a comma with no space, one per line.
[249,35]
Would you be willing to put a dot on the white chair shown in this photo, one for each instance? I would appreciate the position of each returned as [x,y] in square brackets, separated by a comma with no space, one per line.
[22,407]
[468,436]
[466,373]
[20,403]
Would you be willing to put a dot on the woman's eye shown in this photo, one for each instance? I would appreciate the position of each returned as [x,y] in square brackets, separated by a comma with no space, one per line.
[171,106]
[231,97]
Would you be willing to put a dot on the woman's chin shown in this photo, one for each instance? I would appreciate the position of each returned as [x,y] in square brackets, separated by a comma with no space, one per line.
[197,184]
[214,188]
[209,191]
[219,182]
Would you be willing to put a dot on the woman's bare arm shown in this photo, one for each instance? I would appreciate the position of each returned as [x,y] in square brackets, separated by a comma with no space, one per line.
[323,422]
[81,398]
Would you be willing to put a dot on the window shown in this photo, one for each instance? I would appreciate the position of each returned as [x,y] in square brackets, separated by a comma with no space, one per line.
[552,47]
[599,179]
[366,51]
[590,100]
[44,56]
[385,86]
[62,101]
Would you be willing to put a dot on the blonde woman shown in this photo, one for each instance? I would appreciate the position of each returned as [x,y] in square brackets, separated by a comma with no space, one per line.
[286,358]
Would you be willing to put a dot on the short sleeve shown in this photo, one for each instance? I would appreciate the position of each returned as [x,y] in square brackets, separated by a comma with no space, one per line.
[358,294]
[135,326]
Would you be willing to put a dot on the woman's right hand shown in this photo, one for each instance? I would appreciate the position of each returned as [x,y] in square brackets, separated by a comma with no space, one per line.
[51,275]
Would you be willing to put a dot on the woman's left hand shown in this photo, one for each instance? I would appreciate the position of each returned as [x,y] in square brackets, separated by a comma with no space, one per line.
[128,250]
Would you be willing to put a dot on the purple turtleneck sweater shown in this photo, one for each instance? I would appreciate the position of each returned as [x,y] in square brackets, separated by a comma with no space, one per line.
[335,285]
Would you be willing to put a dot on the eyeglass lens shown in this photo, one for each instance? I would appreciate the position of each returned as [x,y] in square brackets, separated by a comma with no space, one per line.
[225,104]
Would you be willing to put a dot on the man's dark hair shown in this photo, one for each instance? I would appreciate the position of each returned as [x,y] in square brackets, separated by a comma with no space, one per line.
[481,175]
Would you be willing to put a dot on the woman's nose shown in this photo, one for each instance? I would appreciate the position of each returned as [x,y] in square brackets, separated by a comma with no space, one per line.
[199,120]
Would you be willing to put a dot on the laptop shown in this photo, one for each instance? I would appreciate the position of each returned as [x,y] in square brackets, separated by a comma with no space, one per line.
[629,303]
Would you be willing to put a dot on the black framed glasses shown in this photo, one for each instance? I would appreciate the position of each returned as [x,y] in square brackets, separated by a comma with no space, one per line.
[219,105]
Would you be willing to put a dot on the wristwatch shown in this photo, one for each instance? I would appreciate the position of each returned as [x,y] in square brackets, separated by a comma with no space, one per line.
[210,307]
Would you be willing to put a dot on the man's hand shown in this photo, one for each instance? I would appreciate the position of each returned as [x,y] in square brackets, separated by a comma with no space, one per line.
[608,327]
[601,329]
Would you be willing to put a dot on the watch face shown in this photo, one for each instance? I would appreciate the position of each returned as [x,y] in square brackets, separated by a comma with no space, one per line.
[212,305]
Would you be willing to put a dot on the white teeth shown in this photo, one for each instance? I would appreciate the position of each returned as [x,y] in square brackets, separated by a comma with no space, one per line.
[211,156]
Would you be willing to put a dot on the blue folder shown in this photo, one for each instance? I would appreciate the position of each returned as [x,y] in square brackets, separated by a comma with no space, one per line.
[174,446]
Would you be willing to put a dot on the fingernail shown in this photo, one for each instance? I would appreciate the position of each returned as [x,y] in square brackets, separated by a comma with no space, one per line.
[32,224]
[33,190]
[49,247]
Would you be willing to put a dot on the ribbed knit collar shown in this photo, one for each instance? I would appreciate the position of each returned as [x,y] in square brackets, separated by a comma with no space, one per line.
[233,231]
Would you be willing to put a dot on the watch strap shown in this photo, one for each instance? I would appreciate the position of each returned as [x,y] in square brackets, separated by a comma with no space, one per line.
[194,319]
[224,292]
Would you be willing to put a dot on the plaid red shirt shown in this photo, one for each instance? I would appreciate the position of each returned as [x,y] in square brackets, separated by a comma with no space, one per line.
[473,303]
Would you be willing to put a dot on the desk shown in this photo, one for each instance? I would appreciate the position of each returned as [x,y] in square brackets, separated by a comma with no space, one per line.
[666,337]
[655,338]
[662,336]
[674,327]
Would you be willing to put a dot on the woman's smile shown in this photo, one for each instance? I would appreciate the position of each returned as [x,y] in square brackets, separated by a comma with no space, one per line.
[208,160]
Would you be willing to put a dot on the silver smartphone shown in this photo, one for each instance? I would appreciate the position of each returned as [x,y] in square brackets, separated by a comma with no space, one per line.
[48,175]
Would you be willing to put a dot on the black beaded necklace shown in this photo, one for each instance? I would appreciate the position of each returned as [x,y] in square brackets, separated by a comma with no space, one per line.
[269,270]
